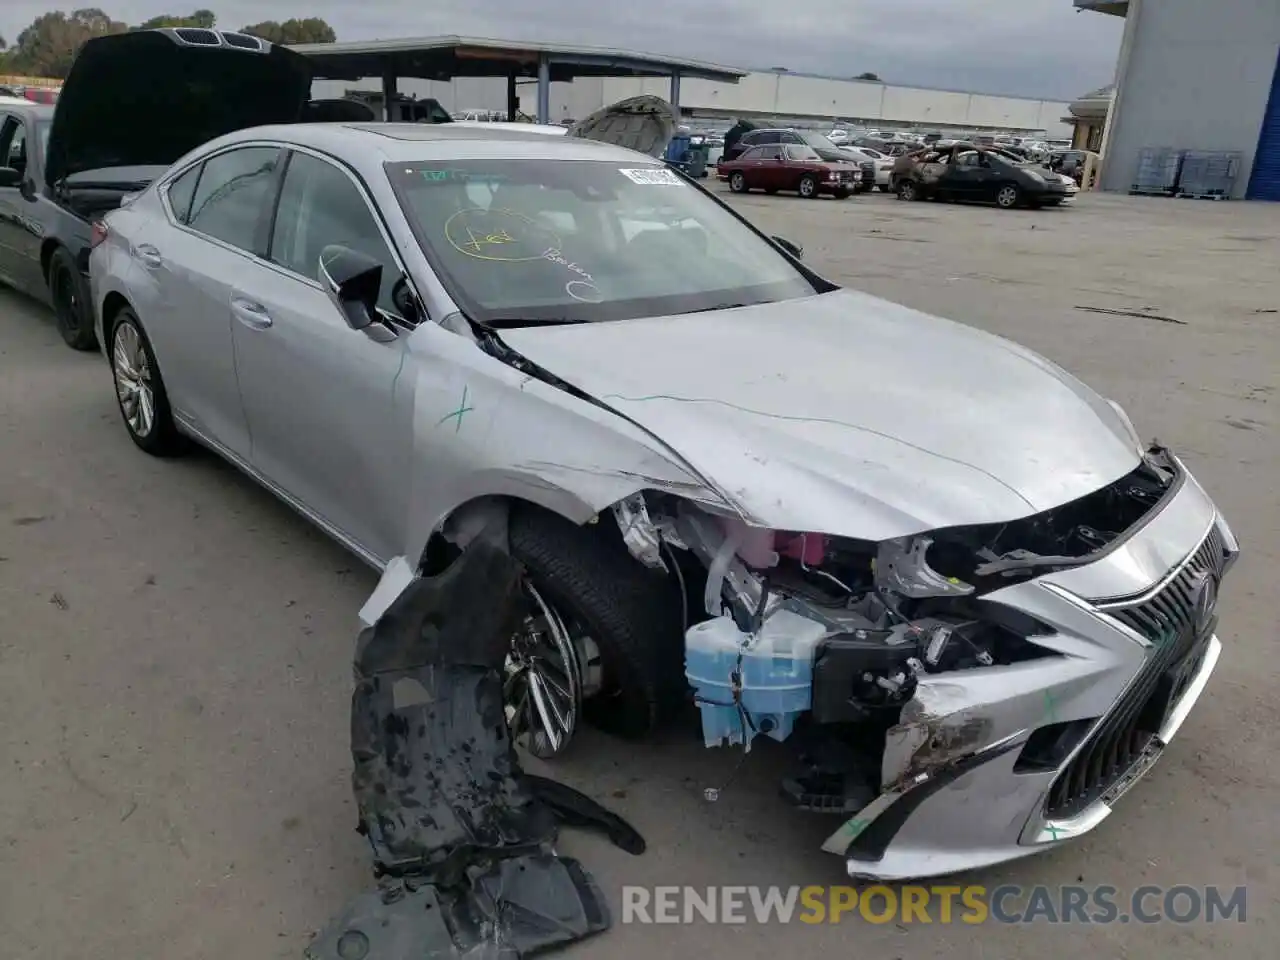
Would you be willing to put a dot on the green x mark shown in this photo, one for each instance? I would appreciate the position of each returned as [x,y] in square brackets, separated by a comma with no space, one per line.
[1053,831]
[457,414]
[855,827]
[1050,708]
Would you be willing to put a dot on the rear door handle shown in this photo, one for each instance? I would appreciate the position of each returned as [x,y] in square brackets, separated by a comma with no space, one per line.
[149,255]
[250,313]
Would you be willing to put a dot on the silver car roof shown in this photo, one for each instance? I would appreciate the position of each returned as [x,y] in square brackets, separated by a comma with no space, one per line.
[361,144]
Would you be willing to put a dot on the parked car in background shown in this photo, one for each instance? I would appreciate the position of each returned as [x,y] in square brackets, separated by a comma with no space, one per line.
[132,104]
[791,166]
[1069,163]
[966,172]
[881,164]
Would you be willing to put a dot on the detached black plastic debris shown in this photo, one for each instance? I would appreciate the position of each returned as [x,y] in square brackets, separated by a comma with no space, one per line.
[461,837]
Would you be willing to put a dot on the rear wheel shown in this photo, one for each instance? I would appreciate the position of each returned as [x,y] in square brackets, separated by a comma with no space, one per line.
[1008,197]
[140,391]
[737,182]
[70,304]
[907,190]
[809,187]
[598,616]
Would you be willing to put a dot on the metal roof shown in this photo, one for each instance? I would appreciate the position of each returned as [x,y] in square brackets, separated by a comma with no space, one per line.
[443,58]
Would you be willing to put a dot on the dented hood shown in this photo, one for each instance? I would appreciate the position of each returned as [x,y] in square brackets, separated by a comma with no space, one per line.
[849,415]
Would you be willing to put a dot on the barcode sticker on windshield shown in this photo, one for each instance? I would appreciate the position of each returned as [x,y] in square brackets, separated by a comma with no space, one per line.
[651,176]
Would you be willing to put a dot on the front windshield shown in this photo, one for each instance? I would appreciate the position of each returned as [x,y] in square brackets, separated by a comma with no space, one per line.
[873,154]
[548,240]
[817,141]
[797,152]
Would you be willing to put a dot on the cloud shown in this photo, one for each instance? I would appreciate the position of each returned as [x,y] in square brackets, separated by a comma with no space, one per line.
[1019,47]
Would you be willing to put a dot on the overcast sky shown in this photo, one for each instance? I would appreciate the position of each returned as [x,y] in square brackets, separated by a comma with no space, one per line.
[1020,47]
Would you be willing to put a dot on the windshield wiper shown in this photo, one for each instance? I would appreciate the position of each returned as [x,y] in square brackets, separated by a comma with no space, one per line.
[512,323]
[721,306]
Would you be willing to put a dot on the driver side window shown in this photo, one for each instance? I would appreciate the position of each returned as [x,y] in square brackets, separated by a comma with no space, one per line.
[13,145]
[321,205]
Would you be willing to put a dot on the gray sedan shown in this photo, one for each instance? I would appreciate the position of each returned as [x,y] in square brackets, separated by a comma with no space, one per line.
[941,567]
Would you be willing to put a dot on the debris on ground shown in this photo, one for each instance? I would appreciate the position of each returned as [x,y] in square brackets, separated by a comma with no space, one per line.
[1132,313]
[462,838]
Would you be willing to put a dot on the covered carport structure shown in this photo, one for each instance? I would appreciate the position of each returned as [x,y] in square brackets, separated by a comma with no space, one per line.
[449,57]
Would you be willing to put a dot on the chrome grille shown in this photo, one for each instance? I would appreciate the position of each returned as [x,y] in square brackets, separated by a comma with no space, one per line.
[1178,633]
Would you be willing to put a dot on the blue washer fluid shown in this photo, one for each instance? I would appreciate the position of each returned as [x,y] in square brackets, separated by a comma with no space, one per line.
[771,672]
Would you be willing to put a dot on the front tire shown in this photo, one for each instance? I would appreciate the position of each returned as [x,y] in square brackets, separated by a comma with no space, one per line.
[1008,197]
[140,392]
[908,191]
[809,187]
[630,614]
[738,182]
[70,304]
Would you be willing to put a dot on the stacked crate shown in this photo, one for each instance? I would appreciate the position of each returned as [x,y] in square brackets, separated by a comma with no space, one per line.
[1158,172]
[1208,174]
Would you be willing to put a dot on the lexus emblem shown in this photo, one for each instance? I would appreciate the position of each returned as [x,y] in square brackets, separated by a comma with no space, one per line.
[1206,601]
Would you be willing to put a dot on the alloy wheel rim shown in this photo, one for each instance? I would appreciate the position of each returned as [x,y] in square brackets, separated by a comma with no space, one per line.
[1006,197]
[133,380]
[806,187]
[545,683]
[737,181]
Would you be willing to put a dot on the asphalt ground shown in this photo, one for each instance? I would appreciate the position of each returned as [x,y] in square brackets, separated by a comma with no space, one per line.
[175,645]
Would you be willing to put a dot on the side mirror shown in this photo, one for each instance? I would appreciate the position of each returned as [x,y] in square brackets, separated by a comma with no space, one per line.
[794,249]
[9,177]
[353,281]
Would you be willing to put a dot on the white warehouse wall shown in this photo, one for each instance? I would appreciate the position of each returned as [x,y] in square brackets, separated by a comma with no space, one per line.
[757,94]
[1198,78]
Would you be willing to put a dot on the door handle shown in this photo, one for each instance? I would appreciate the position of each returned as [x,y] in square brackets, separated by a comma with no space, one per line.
[250,313]
[149,255]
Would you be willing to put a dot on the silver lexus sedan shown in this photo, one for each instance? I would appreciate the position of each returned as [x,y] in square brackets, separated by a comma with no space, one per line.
[940,567]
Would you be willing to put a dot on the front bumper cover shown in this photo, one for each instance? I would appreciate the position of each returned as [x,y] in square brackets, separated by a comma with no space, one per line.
[958,791]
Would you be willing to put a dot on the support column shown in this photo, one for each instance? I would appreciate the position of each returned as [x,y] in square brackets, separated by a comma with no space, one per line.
[544,88]
[513,97]
[675,92]
[389,91]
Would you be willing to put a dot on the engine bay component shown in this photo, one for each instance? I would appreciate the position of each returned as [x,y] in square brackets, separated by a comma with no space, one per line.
[462,838]
[751,684]
[639,532]
[902,567]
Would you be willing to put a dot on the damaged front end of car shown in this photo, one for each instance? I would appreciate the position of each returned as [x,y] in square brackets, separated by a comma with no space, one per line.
[963,696]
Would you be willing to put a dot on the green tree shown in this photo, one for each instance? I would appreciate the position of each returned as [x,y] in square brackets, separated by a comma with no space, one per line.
[200,18]
[49,45]
[868,76]
[310,30]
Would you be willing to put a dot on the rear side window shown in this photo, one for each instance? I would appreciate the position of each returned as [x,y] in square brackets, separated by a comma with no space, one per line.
[233,194]
[181,191]
[750,138]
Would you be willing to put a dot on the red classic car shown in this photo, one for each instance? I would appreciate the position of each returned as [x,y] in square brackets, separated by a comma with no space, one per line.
[789,166]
